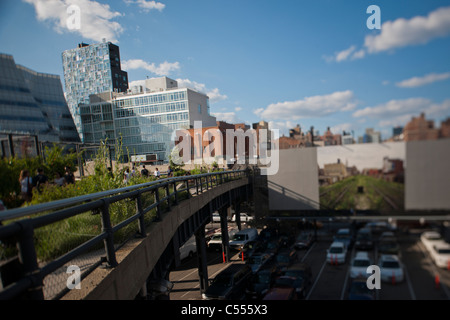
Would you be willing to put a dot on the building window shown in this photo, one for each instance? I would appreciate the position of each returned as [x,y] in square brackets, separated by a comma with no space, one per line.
[199,108]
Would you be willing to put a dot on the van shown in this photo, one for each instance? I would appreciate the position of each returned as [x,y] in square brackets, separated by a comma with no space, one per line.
[242,237]
[229,284]
[364,239]
[188,249]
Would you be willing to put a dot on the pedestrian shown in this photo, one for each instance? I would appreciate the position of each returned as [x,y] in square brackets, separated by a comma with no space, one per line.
[26,185]
[144,171]
[169,172]
[157,173]
[40,179]
[69,177]
[127,175]
[59,180]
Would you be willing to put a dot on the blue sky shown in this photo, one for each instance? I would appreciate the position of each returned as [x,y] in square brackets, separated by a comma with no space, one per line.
[313,63]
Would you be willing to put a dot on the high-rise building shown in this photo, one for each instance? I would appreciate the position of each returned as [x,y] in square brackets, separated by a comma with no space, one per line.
[33,103]
[91,69]
[145,119]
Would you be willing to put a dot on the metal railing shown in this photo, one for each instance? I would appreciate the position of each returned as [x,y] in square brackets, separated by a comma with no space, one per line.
[20,225]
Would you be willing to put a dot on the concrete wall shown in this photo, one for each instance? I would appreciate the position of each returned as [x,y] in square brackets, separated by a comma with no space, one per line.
[296,185]
[427,176]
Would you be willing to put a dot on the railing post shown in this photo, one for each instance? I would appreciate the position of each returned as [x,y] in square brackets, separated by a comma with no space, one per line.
[168,196]
[109,241]
[141,223]
[188,189]
[176,192]
[158,208]
[196,185]
[28,258]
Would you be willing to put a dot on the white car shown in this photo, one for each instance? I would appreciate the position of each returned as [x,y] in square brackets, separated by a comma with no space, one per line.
[337,253]
[244,217]
[215,217]
[391,268]
[440,254]
[359,265]
[430,238]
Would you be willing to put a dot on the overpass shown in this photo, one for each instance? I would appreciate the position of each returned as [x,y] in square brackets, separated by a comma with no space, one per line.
[124,256]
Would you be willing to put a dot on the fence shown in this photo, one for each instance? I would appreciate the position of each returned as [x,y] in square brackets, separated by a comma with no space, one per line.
[36,242]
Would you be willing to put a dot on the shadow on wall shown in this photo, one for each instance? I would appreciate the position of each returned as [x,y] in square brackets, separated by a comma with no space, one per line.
[290,199]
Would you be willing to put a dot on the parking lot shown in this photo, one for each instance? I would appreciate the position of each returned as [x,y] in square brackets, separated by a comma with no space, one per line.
[422,281]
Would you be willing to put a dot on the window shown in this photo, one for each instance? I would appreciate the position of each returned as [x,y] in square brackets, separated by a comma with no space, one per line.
[199,108]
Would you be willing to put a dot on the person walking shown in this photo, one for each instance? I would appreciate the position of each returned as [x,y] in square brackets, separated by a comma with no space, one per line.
[144,171]
[26,185]
[40,179]
[157,173]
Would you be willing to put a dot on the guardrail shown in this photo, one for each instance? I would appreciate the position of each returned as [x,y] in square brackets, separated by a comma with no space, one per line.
[20,229]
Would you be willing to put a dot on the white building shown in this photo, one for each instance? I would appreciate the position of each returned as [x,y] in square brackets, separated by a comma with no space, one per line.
[145,117]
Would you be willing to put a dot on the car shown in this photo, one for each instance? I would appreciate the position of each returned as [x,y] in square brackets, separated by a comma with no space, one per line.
[386,235]
[257,261]
[229,284]
[391,268]
[344,236]
[389,246]
[337,253]
[358,290]
[273,246]
[364,239]
[260,283]
[301,272]
[215,217]
[286,293]
[242,237]
[188,249]
[215,243]
[251,247]
[378,227]
[440,254]
[244,217]
[268,234]
[303,241]
[285,258]
[359,264]
[429,238]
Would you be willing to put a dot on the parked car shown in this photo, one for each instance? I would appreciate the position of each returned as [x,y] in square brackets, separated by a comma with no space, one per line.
[358,290]
[273,246]
[337,253]
[260,283]
[242,237]
[251,247]
[257,261]
[215,217]
[215,243]
[229,284]
[429,238]
[285,258]
[440,254]
[303,275]
[359,264]
[378,227]
[364,239]
[268,234]
[304,241]
[285,293]
[244,217]
[389,246]
[391,268]
[188,249]
[344,236]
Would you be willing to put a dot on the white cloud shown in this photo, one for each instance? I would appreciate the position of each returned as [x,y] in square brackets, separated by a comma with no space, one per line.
[400,33]
[147,5]
[213,94]
[163,69]
[398,112]
[315,106]
[339,128]
[237,109]
[229,117]
[421,81]
[96,19]
[405,32]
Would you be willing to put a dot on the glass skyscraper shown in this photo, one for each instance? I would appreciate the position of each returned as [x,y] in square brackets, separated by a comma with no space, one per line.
[33,103]
[91,69]
[145,121]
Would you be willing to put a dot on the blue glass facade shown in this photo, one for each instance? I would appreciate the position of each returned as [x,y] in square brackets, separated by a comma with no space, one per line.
[91,69]
[33,103]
